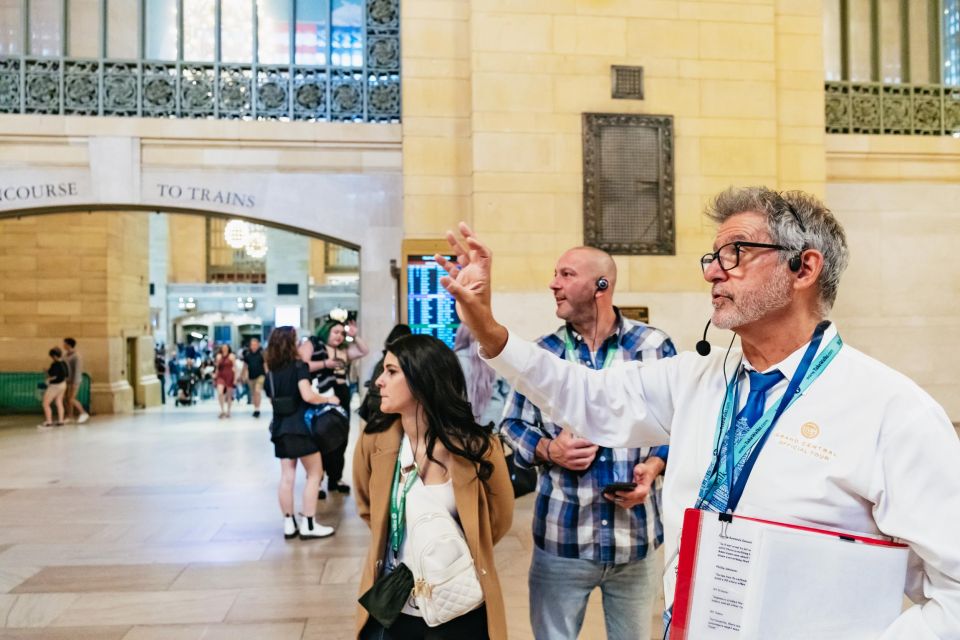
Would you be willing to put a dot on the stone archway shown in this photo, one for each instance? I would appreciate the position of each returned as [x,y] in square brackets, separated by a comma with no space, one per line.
[361,210]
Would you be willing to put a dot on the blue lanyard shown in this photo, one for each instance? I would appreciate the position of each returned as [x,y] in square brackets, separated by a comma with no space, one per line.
[756,436]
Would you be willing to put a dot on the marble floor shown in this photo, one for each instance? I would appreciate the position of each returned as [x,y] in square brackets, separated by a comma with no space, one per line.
[164,525]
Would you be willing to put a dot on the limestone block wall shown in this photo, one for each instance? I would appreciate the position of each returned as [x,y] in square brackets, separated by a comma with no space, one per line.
[188,248]
[81,275]
[493,135]
[899,201]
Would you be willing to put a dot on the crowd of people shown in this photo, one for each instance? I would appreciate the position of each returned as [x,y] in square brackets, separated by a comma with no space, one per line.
[624,434]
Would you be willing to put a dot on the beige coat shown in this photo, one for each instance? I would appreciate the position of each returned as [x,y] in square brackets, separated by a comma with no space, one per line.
[486,513]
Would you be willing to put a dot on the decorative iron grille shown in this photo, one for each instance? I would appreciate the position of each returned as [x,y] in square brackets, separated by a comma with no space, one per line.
[892,109]
[627,82]
[219,90]
[628,190]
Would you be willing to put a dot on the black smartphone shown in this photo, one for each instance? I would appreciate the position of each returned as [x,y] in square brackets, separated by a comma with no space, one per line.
[613,487]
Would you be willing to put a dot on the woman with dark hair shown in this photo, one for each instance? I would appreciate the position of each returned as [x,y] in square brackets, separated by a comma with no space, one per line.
[56,387]
[329,357]
[370,405]
[288,387]
[225,362]
[428,454]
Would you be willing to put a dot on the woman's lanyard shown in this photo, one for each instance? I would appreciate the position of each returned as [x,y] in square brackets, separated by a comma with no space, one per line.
[748,447]
[572,351]
[398,499]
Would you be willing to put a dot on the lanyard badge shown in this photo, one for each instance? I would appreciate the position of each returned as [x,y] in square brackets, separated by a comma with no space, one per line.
[747,448]
[403,479]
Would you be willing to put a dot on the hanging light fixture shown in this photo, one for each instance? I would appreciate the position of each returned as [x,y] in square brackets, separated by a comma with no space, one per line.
[256,246]
[236,233]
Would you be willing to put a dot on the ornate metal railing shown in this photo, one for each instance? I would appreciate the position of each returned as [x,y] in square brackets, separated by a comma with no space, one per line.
[183,89]
[892,109]
[67,86]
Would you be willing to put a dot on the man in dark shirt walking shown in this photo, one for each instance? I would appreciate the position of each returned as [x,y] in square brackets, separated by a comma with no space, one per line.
[71,357]
[254,373]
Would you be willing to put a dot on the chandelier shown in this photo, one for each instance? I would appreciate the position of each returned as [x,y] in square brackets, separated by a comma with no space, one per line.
[236,233]
[256,242]
[252,238]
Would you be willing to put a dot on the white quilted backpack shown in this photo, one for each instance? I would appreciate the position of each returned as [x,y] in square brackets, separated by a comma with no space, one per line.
[445,579]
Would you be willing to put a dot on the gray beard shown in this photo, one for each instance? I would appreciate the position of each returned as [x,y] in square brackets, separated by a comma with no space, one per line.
[754,305]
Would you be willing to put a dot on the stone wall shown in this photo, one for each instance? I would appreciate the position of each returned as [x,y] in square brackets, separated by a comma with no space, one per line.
[494,92]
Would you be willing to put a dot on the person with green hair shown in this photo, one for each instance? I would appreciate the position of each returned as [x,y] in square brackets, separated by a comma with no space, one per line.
[329,356]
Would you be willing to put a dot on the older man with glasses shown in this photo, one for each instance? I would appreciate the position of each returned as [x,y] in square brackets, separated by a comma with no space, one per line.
[892,461]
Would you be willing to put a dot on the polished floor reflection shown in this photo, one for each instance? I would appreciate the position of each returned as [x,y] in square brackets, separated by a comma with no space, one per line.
[164,526]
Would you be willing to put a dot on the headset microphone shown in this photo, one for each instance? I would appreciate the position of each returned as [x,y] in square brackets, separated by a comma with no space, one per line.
[702,346]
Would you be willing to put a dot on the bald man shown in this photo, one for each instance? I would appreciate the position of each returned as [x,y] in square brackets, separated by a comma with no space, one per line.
[586,533]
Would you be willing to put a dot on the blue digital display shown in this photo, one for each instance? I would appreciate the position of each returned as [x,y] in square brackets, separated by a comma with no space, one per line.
[430,309]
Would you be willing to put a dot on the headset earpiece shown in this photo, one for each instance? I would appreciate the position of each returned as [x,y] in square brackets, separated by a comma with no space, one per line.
[795,262]
[602,284]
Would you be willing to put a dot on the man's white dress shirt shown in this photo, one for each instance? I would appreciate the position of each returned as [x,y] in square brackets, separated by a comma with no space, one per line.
[865,450]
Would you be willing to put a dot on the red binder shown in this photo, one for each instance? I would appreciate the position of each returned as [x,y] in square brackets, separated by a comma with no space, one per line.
[690,547]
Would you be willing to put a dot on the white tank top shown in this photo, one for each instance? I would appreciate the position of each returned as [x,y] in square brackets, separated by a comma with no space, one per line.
[421,499]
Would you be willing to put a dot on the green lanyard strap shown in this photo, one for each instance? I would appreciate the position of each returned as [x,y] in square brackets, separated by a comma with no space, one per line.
[572,351]
[398,501]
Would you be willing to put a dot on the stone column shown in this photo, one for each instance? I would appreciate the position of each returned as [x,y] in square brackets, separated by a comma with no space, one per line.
[82,275]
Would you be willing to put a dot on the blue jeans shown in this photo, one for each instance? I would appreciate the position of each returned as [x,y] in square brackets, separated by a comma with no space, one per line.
[561,587]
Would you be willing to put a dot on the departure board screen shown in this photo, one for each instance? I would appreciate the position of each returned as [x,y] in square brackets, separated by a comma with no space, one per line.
[430,309]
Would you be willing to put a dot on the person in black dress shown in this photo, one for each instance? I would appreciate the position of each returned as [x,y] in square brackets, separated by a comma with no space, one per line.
[288,387]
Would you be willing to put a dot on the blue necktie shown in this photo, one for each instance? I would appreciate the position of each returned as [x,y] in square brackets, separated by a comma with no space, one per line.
[760,383]
[752,411]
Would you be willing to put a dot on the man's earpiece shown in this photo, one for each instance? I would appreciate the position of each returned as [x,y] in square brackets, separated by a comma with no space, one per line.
[795,262]
[602,284]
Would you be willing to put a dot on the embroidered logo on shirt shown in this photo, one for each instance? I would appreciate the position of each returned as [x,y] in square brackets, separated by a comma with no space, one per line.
[809,430]
[804,445]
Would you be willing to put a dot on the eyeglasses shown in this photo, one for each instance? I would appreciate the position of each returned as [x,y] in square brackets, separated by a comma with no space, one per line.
[728,255]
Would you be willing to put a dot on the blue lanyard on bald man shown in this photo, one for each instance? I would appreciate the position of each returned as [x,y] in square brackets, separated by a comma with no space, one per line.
[744,448]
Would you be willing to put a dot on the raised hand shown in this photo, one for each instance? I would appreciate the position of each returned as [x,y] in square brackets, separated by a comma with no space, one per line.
[468,281]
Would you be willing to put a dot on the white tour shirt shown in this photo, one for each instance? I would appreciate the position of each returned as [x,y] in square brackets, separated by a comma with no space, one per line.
[865,449]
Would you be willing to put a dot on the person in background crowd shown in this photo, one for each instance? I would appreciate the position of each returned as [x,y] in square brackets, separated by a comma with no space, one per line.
[370,405]
[289,378]
[74,379]
[253,373]
[56,387]
[460,473]
[173,370]
[225,378]
[206,370]
[329,356]
[602,540]
[240,388]
[486,390]
[160,364]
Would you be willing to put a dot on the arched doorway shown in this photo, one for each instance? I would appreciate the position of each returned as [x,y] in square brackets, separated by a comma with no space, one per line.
[119,348]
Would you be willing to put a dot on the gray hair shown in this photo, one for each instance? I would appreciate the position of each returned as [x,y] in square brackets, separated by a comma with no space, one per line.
[821,230]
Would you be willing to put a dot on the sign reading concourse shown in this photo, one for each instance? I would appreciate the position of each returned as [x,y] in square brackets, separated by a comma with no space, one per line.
[31,189]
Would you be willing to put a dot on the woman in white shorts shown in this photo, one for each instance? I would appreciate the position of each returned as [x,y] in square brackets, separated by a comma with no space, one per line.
[56,387]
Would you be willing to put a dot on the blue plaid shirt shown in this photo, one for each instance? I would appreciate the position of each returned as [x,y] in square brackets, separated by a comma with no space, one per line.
[571,518]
